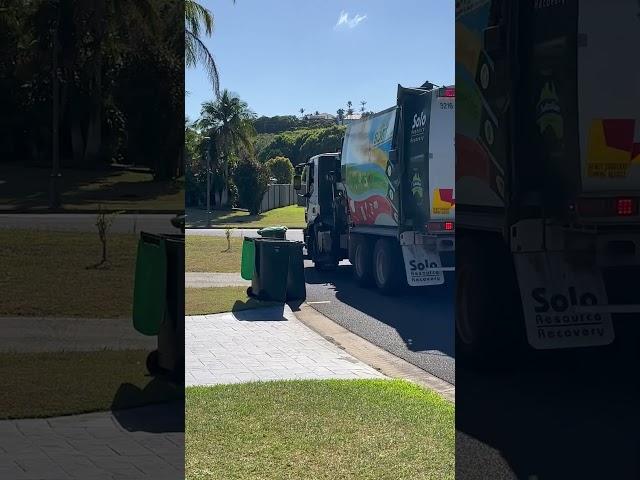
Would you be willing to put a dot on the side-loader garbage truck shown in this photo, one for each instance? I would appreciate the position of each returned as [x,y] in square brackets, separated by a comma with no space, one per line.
[548,173]
[387,200]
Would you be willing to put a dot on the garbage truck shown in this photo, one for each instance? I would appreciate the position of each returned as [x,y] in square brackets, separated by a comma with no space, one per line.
[386,201]
[547,173]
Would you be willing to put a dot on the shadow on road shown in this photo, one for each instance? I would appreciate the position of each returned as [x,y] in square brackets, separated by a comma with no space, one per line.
[571,414]
[253,310]
[426,319]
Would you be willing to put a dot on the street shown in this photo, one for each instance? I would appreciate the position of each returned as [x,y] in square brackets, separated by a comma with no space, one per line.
[86,222]
[587,398]
[416,326]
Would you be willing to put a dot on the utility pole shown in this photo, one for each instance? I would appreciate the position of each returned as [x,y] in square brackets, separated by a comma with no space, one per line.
[208,156]
[54,179]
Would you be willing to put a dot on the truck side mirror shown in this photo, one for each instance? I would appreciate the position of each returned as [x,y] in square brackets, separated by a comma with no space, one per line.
[297,182]
[492,40]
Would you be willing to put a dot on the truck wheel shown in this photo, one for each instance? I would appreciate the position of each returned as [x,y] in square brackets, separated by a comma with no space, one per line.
[488,324]
[362,261]
[387,266]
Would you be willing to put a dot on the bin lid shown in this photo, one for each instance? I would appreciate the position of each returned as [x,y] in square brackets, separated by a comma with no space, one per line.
[280,228]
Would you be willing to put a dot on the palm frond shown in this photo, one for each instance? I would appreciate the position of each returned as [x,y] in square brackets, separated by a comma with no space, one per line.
[197,52]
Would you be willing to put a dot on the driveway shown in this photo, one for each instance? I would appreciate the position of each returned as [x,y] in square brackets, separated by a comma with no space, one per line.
[262,344]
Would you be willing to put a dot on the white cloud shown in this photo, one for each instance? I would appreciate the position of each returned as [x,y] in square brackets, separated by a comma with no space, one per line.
[344,21]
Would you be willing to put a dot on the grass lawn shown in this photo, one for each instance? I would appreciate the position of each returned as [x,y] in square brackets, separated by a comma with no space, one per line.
[29,269]
[87,189]
[203,301]
[291,217]
[209,254]
[40,384]
[323,429]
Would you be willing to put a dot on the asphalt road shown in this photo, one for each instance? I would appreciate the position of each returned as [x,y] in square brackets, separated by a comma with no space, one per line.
[416,326]
[553,415]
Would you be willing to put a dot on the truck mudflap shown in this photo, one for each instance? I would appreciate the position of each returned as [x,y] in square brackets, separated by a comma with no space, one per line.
[565,305]
[423,267]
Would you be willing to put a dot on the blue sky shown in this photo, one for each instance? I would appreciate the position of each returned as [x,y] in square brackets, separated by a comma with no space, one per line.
[281,55]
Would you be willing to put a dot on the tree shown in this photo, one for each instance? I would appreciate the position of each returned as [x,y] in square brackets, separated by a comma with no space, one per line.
[197,17]
[252,180]
[228,121]
[340,113]
[280,168]
[349,109]
[362,104]
[301,112]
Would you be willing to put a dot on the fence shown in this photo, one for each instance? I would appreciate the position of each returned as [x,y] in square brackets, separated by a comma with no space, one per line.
[278,196]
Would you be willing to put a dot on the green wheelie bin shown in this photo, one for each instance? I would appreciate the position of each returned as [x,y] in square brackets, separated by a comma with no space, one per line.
[271,264]
[158,300]
[278,271]
[296,287]
[278,232]
[248,258]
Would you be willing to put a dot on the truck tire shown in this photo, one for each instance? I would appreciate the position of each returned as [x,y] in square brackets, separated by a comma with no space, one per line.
[488,321]
[362,261]
[387,266]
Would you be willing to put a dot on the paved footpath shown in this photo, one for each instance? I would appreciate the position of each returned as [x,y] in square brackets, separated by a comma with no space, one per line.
[292,233]
[204,280]
[262,344]
[128,445]
[46,334]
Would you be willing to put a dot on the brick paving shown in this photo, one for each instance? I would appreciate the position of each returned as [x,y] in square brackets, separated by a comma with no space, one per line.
[205,279]
[262,344]
[132,444]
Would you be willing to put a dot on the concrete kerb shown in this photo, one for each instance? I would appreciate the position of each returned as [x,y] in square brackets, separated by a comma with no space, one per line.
[374,356]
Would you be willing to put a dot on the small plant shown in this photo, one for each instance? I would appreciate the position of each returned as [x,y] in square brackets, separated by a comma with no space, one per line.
[103,223]
[227,234]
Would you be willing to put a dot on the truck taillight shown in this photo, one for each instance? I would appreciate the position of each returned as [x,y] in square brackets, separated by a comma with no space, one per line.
[625,207]
[440,227]
[447,92]
[607,207]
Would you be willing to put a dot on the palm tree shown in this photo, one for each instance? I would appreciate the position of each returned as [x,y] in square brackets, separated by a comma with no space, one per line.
[340,113]
[301,112]
[197,17]
[228,121]
[362,104]
[349,109]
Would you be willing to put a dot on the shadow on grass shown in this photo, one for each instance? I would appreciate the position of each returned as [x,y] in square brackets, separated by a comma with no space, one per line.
[27,188]
[197,218]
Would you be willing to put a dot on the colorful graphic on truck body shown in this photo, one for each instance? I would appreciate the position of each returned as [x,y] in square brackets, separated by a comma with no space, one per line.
[479,148]
[368,172]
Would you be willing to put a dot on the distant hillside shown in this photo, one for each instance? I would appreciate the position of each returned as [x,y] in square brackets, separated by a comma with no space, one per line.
[284,123]
[299,145]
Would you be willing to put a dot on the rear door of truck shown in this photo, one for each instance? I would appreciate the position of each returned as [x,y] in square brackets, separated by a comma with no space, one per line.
[609,95]
[442,155]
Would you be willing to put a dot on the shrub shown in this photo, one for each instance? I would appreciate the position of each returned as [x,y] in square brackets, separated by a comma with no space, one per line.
[251,179]
[281,168]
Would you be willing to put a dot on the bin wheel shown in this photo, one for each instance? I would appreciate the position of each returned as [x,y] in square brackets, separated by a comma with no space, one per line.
[249,292]
[153,363]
